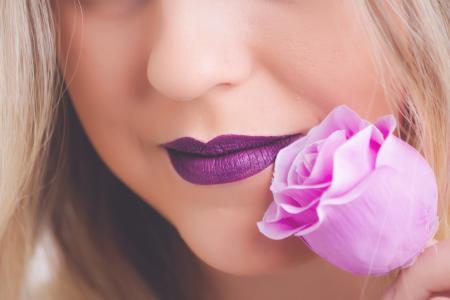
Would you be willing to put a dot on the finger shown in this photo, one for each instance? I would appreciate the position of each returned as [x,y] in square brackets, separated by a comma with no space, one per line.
[440,296]
[429,275]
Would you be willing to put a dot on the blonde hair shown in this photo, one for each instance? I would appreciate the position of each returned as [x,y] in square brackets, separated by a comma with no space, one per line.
[104,253]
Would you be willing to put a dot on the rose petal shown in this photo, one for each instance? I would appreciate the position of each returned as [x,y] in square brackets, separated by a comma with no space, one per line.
[293,207]
[323,168]
[386,125]
[375,232]
[303,170]
[415,170]
[305,156]
[282,227]
[294,198]
[398,154]
[274,213]
[285,157]
[353,161]
[341,117]
[288,225]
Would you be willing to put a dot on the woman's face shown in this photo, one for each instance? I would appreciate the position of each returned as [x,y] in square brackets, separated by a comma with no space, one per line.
[141,73]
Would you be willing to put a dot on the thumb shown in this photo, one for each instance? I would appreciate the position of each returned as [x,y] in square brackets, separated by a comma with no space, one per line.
[391,291]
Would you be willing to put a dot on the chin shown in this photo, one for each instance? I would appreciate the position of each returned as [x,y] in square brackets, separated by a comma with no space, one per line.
[243,252]
[223,235]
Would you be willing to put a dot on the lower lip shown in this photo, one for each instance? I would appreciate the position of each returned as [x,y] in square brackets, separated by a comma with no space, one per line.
[226,168]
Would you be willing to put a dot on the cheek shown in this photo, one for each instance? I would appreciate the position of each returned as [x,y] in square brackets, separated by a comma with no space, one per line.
[104,66]
[326,57]
[104,61]
[105,73]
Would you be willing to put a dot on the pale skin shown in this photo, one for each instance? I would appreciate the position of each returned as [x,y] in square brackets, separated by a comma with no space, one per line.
[141,73]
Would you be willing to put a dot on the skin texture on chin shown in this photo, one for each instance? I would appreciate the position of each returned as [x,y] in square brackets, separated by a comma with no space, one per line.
[141,73]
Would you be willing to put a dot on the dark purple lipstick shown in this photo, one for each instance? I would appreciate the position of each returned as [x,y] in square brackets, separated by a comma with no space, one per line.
[225,158]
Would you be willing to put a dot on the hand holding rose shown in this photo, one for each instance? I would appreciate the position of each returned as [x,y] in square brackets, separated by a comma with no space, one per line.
[427,279]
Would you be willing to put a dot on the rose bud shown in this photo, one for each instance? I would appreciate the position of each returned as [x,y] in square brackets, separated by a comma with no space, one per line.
[356,194]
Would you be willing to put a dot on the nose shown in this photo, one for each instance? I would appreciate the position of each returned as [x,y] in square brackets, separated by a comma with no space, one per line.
[198,48]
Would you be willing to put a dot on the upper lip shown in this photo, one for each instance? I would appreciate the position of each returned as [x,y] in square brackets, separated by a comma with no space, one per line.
[223,144]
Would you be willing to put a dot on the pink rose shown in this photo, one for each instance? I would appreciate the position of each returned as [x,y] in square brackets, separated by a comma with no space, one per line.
[357,195]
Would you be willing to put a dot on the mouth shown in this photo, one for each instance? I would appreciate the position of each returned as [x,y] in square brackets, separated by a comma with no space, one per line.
[225,158]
